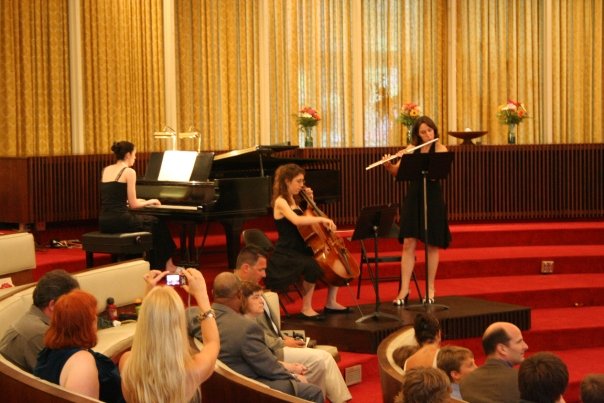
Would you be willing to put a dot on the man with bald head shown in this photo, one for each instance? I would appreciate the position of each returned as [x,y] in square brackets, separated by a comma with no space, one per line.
[496,380]
[242,345]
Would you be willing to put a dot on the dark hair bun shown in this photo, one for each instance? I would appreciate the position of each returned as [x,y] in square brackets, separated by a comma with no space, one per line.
[120,149]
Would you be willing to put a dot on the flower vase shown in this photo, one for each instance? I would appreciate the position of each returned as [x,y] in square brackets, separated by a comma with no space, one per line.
[409,134]
[511,133]
[308,140]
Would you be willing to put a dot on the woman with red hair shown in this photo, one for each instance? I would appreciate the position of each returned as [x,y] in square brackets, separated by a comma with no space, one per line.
[68,360]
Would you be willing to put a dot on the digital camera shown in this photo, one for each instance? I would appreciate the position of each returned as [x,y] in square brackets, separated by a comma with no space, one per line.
[176,280]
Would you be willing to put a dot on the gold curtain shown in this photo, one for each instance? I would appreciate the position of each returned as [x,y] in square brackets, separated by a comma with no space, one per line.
[499,57]
[34,78]
[311,65]
[123,59]
[578,108]
[404,60]
[219,71]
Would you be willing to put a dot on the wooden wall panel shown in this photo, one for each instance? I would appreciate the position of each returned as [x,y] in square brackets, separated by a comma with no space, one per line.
[487,183]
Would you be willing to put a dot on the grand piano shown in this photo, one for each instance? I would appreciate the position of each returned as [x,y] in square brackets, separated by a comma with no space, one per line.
[231,188]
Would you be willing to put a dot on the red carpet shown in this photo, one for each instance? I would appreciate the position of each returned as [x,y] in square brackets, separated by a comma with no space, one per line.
[499,262]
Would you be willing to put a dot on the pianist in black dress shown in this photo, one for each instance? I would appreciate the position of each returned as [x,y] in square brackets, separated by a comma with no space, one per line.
[292,258]
[118,194]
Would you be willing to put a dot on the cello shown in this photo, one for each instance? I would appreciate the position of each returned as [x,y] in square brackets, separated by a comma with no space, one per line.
[329,251]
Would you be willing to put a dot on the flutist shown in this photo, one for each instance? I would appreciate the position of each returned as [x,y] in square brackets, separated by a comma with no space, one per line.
[412,211]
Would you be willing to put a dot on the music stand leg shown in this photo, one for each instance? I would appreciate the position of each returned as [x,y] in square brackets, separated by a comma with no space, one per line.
[426,305]
[376,315]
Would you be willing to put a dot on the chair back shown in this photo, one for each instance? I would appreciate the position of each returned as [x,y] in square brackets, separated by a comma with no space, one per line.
[257,238]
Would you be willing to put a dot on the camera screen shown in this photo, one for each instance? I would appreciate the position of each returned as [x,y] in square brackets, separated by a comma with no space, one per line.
[173,279]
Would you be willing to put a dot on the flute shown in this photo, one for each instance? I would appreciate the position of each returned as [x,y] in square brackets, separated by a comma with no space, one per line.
[380,162]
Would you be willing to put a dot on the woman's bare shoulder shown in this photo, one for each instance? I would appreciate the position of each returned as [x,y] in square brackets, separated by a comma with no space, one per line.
[280,202]
[80,363]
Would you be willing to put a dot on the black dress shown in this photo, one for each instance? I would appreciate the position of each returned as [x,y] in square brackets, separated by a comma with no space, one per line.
[115,217]
[51,363]
[412,213]
[291,259]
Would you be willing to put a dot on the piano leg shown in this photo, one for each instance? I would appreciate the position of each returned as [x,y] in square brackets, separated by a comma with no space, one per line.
[232,231]
[188,251]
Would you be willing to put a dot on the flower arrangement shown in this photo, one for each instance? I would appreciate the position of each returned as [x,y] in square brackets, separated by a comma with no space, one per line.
[409,114]
[512,113]
[308,117]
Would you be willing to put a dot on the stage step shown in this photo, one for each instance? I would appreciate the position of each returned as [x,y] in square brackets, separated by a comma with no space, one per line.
[505,235]
[369,373]
[503,261]
[536,291]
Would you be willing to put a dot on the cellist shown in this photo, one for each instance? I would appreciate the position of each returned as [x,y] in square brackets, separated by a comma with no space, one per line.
[292,258]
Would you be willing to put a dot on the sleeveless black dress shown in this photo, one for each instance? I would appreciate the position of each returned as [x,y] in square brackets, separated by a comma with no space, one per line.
[51,363]
[291,259]
[412,213]
[115,217]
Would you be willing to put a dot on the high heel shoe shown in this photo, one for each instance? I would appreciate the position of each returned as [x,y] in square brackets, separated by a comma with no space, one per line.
[430,301]
[401,301]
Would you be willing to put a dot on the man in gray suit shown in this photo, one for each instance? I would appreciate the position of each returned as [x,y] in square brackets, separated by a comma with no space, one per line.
[322,370]
[496,380]
[242,345]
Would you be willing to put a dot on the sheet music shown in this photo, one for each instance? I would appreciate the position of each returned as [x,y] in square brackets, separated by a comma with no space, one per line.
[177,166]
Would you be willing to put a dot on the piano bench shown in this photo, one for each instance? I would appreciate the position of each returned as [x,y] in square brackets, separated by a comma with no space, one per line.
[120,246]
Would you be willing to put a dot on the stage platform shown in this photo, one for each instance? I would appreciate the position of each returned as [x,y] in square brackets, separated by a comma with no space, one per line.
[463,318]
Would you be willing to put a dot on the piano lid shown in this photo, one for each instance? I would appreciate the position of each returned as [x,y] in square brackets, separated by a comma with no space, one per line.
[249,157]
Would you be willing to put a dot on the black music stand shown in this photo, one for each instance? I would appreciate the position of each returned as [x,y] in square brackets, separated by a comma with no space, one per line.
[424,166]
[375,222]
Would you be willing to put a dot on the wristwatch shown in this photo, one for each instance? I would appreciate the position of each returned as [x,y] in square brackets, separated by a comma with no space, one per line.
[210,313]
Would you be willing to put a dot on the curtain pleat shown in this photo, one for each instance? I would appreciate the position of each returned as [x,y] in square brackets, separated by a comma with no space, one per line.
[123,59]
[34,85]
[578,108]
[404,60]
[219,71]
[499,54]
[310,65]
[499,57]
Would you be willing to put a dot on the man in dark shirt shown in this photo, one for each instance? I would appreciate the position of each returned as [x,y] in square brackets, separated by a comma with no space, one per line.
[24,339]
[496,380]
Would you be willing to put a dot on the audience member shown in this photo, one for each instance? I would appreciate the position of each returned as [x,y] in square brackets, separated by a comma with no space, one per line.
[160,358]
[496,380]
[322,370]
[242,345]
[400,354]
[24,339]
[592,388]
[456,362]
[542,378]
[428,335]
[252,306]
[425,385]
[67,358]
